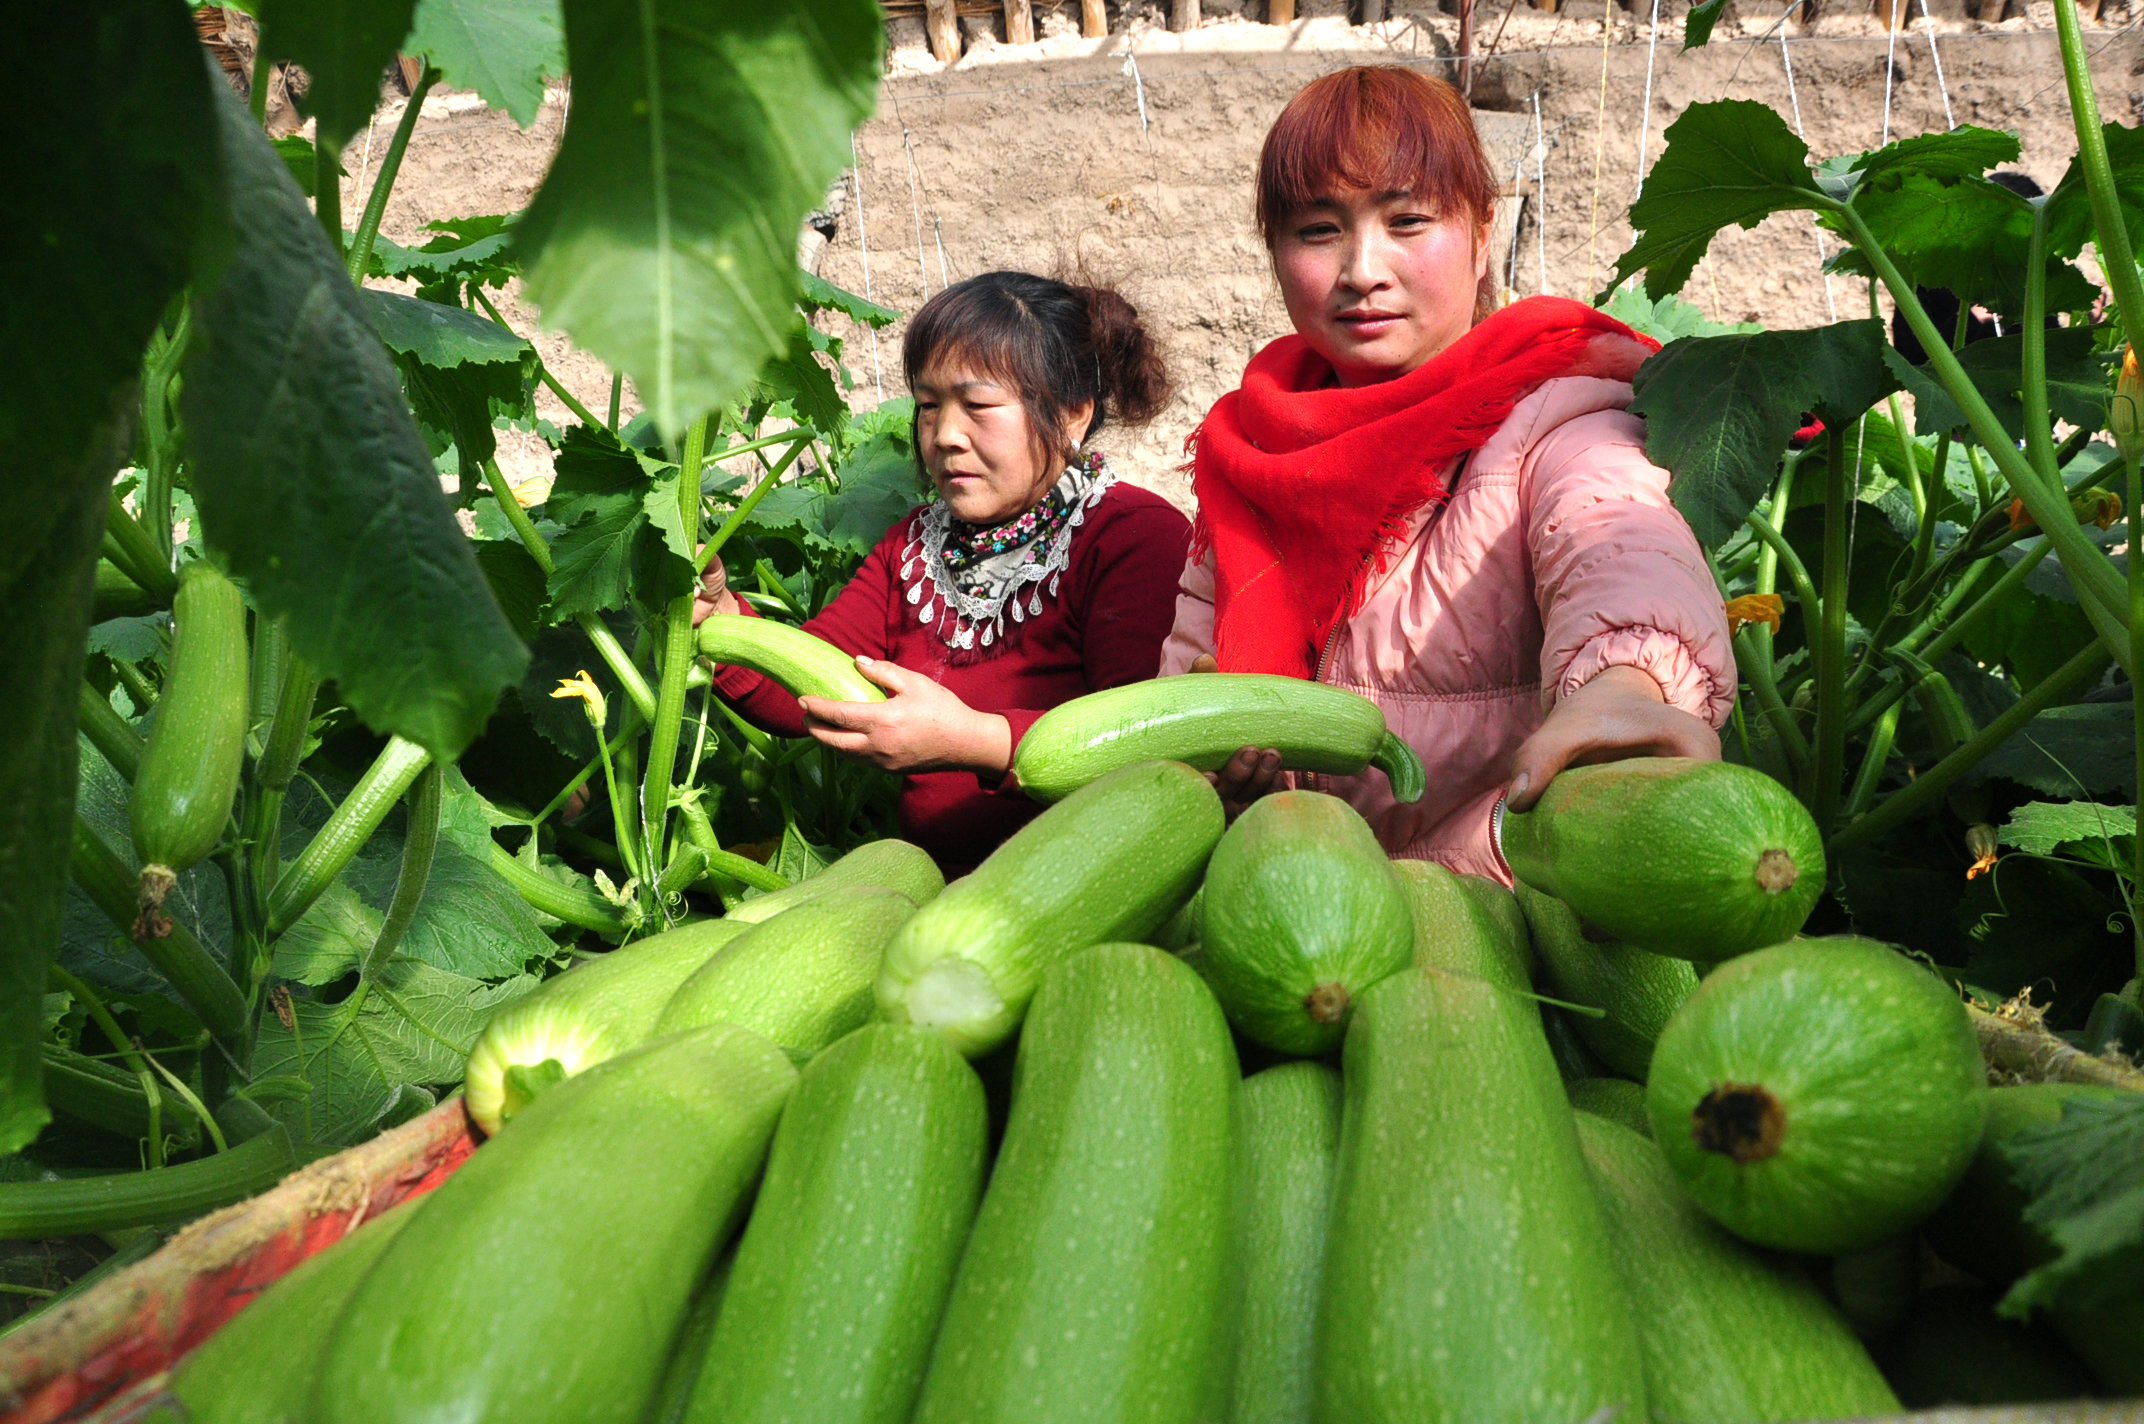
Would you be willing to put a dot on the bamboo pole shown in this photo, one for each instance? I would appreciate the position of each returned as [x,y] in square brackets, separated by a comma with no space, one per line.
[1019,22]
[1093,19]
[1184,15]
[943,28]
[1280,12]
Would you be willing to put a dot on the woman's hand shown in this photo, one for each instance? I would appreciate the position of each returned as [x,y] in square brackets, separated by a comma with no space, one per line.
[714,594]
[1620,713]
[1251,773]
[921,726]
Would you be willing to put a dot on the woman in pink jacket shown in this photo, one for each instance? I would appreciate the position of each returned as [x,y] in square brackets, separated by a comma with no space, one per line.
[1440,505]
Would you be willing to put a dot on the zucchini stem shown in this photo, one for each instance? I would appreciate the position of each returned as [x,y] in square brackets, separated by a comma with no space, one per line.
[349,826]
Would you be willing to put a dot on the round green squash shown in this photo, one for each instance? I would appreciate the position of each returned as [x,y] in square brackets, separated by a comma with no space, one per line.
[1703,860]
[1302,912]
[1820,1095]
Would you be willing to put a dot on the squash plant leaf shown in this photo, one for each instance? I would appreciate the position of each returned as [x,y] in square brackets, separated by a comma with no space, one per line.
[1729,161]
[616,551]
[415,1027]
[315,483]
[822,295]
[2082,750]
[1697,25]
[1719,410]
[1967,234]
[1965,151]
[460,370]
[467,250]
[344,47]
[503,49]
[663,240]
[2069,221]
[106,185]
[2077,381]
[2044,827]
[2085,1177]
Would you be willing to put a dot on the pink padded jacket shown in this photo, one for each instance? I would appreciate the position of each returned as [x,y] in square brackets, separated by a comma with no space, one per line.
[1557,555]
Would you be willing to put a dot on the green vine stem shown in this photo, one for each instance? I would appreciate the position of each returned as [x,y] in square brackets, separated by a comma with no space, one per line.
[582,908]
[798,439]
[281,751]
[191,970]
[1783,555]
[111,734]
[348,826]
[130,546]
[327,191]
[420,839]
[2092,572]
[2116,255]
[368,226]
[89,1000]
[2064,681]
[1756,669]
[677,660]
[1830,761]
[543,372]
[1873,761]
[160,442]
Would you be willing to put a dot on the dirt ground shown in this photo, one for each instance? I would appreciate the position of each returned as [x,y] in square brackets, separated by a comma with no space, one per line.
[1131,158]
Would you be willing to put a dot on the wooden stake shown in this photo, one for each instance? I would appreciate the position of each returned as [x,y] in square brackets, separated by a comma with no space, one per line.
[1019,22]
[944,30]
[1184,15]
[1280,12]
[1093,19]
[1373,11]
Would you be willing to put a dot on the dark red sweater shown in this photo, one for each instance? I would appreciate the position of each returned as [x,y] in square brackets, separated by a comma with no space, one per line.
[1103,628]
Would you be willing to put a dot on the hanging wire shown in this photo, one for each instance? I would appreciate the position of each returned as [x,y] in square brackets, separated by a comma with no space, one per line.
[1600,140]
[1541,189]
[939,238]
[856,174]
[1890,70]
[915,201]
[1786,59]
[1950,120]
[1645,126]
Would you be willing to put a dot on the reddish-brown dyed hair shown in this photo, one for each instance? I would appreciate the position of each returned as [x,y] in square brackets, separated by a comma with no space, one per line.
[1382,127]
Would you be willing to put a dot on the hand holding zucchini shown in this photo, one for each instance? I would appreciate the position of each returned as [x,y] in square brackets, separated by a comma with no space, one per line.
[1701,860]
[1205,719]
[807,666]
[188,775]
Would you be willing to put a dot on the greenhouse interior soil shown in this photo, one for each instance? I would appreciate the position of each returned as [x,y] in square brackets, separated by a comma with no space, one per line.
[1036,157]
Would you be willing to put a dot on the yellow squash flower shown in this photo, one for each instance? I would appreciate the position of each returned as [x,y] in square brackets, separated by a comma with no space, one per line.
[592,702]
[1765,608]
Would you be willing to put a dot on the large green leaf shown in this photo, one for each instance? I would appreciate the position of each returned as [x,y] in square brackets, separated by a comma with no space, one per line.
[2044,827]
[1967,150]
[1719,410]
[345,47]
[314,481]
[472,249]
[1728,161]
[460,370]
[1669,319]
[502,49]
[2083,750]
[105,186]
[1967,234]
[664,237]
[2085,1175]
[622,543]
[2069,220]
[416,1026]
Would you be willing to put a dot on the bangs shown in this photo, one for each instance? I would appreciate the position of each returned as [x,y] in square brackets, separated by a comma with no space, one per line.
[1381,128]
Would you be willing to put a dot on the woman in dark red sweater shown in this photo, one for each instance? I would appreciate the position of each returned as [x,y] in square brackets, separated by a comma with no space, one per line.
[1034,577]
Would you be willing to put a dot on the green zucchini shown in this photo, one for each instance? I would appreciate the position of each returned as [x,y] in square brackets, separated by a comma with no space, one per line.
[1617,1099]
[1097,1284]
[576,905]
[1639,991]
[94,1092]
[1955,1350]
[1291,1136]
[1702,860]
[1727,1334]
[1180,931]
[802,979]
[118,596]
[1461,930]
[1874,1287]
[545,1280]
[594,1011]
[1112,861]
[1820,1095]
[894,864]
[259,1367]
[1301,913]
[805,665]
[682,1375]
[1468,1275]
[1202,721]
[32,1211]
[347,827]
[188,777]
[871,1187]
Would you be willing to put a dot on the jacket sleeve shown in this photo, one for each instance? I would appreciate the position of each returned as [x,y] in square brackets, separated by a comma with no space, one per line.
[854,621]
[1192,635]
[1619,577]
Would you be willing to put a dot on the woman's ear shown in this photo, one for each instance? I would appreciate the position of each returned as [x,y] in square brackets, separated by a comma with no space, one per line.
[1077,418]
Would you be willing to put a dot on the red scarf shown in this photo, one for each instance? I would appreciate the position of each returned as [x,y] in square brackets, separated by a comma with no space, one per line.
[1303,485]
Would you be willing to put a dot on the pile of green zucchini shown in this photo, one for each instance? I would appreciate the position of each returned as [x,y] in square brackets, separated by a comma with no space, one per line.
[878,1148]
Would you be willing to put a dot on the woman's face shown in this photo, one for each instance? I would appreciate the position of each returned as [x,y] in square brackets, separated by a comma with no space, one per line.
[1378,283]
[984,454]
